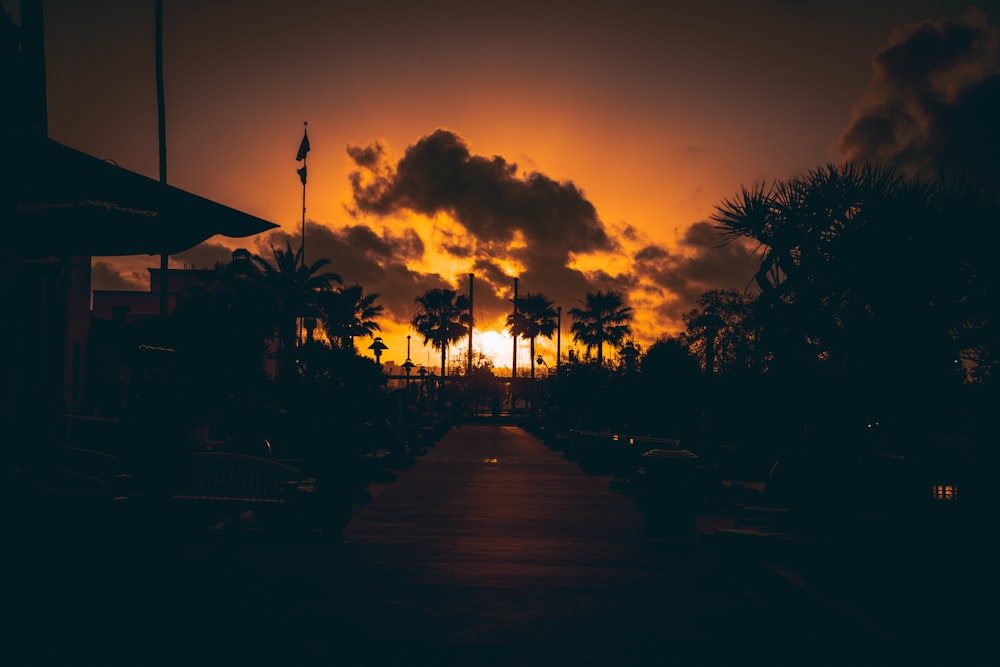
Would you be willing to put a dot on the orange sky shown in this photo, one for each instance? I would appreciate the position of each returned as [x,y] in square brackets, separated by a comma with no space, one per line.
[649,112]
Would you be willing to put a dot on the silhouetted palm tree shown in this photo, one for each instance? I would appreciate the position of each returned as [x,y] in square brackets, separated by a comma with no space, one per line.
[442,318]
[349,312]
[294,288]
[724,335]
[533,317]
[604,319]
[869,279]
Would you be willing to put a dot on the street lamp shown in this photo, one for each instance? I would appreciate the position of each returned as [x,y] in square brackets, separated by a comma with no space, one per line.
[537,402]
[541,362]
[631,355]
[408,364]
[377,346]
[241,264]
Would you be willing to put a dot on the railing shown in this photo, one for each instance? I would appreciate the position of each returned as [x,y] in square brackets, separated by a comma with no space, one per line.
[224,476]
[625,438]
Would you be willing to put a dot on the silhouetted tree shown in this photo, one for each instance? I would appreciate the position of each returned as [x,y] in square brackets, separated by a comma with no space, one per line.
[349,312]
[442,318]
[870,277]
[670,359]
[534,316]
[293,287]
[724,334]
[670,390]
[603,319]
[220,333]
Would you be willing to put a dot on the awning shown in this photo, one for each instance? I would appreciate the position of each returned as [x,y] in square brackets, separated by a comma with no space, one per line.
[60,202]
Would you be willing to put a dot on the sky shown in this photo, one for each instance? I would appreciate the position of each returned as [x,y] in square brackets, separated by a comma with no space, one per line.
[575,145]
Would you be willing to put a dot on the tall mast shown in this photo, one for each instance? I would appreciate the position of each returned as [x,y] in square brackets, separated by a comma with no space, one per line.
[162,136]
[33,55]
[558,337]
[471,311]
[302,154]
[513,368]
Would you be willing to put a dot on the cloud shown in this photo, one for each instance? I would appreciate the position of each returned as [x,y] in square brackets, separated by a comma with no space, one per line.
[205,255]
[536,221]
[933,101]
[360,255]
[105,276]
[548,229]
[439,174]
[673,280]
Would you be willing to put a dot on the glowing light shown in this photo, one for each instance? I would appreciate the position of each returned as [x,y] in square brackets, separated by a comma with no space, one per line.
[497,346]
[945,492]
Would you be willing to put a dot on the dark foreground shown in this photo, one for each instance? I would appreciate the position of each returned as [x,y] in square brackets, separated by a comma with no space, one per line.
[492,550]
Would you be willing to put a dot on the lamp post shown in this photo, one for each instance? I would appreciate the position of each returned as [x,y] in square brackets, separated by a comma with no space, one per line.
[241,263]
[538,408]
[631,355]
[558,337]
[408,364]
[377,346]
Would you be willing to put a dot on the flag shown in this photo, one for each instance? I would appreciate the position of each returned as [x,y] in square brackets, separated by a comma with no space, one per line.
[302,174]
[303,147]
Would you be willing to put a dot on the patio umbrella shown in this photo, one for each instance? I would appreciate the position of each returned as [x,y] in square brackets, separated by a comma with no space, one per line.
[59,202]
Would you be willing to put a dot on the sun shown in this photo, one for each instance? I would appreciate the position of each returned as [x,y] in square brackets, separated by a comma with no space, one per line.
[496,346]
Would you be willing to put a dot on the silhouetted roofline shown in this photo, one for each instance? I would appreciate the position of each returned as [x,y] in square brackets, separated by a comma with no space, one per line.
[58,201]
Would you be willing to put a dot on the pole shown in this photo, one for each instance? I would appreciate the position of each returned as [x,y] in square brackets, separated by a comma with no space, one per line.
[162,135]
[558,337]
[305,124]
[469,366]
[33,57]
[513,368]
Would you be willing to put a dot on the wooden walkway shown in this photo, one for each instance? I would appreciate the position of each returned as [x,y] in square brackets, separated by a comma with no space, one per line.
[495,550]
[491,550]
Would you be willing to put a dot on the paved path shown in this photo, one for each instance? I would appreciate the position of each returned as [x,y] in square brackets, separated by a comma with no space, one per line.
[491,550]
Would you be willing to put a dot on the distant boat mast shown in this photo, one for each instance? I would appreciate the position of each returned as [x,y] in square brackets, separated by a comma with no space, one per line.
[162,135]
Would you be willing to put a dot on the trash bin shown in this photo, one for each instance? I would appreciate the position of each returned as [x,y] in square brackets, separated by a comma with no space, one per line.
[670,493]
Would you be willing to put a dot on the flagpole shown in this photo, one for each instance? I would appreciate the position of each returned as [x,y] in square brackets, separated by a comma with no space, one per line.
[304,153]
[162,136]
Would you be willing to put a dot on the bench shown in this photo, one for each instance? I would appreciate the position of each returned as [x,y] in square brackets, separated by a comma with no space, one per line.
[222,489]
[758,515]
[229,477]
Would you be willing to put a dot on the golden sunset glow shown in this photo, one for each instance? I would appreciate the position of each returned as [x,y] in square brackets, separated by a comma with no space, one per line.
[497,346]
[590,156]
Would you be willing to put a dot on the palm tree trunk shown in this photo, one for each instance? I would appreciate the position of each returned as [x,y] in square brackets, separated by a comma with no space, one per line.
[444,352]
[532,348]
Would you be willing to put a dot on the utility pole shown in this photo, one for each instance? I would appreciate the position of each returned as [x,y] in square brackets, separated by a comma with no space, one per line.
[162,134]
[468,371]
[513,368]
[301,157]
[558,337]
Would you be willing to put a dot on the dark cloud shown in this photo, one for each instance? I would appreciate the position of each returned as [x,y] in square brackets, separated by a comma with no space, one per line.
[439,174]
[933,101]
[704,262]
[548,221]
[362,256]
[630,233]
[716,263]
[205,255]
[104,276]
[457,245]
[538,224]
[490,271]
[368,157]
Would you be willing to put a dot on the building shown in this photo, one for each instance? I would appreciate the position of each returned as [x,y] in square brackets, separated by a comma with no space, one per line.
[59,207]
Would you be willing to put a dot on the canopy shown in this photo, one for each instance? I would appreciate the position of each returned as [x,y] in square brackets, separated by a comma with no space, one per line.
[60,202]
